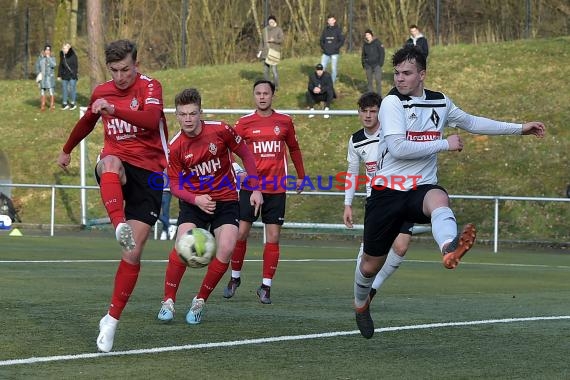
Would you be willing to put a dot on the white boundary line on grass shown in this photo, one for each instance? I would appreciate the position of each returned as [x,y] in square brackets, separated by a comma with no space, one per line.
[244,342]
[283,260]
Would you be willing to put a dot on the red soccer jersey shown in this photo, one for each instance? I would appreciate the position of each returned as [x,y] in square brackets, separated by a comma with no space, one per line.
[203,164]
[141,147]
[267,138]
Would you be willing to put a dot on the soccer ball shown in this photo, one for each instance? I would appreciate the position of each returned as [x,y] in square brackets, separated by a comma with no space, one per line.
[197,247]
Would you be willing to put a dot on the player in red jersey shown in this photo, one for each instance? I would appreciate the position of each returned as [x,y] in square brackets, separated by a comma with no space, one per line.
[134,149]
[201,176]
[268,135]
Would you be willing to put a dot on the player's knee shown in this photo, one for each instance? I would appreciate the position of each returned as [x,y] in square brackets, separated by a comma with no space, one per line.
[110,164]
[243,235]
[401,245]
[370,265]
[435,198]
[273,238]
[223,253]
[400,249]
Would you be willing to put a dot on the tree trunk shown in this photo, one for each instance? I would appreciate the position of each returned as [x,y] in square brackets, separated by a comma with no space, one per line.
[95,48]
[73,22]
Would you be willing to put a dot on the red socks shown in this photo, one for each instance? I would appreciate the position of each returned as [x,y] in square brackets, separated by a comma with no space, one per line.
[112,196]
[125,281]
[216,271]
[174,272]
[270,259]
[238,255]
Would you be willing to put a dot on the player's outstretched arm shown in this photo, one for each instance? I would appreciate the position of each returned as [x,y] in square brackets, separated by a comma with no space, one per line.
[534,128]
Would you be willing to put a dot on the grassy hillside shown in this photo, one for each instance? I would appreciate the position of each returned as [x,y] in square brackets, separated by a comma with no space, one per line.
[514,81]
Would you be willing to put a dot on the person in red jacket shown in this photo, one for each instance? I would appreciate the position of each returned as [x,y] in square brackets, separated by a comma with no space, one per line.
[201,175]
[268,134]
[134,150]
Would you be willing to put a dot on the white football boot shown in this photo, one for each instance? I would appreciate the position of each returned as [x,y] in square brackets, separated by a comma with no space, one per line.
[125,237]
[107,328]
[194,315]
[166,313]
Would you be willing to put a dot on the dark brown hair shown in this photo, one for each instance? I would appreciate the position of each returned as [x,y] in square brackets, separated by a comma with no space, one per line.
[119,50]
[188,96]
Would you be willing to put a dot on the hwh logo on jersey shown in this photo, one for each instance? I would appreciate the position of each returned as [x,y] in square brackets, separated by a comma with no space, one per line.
[205,168]
[371,166]
[423,136]
[266,146]
[118,126]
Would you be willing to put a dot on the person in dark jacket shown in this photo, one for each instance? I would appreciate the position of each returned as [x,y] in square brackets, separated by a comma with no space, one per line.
[418,39]
[320,89]
[332,40]
[372,61]
[67,72]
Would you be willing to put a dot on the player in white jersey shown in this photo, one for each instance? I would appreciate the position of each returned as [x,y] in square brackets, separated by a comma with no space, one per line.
[363,147]
[405,187]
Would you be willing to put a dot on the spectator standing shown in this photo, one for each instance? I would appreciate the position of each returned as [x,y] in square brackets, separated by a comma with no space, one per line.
[320,89]
[270,49]
[134,150]
[68,69]
[331,41]
[45,65]
[372,61]
[418,39]
[269,135]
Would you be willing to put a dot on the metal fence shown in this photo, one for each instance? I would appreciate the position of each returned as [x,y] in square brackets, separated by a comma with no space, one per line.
[83,187]
[333,226]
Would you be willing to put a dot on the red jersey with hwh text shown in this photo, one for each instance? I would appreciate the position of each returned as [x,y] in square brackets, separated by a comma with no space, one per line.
[141,147]
[268,138]
[203,164]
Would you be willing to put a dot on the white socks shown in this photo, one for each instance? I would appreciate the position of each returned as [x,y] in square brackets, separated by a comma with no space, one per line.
[392,263]
[443,226]
[361,287]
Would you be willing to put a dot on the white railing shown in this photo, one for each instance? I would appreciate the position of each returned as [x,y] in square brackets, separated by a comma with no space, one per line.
[496,199]
[206,111]
[300,225]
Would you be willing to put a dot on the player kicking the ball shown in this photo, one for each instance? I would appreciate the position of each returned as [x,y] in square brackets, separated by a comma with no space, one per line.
[412,121]
[135,137]
[201,176]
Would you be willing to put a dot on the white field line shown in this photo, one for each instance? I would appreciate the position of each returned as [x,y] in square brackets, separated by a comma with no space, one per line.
[244,342]
[284,260]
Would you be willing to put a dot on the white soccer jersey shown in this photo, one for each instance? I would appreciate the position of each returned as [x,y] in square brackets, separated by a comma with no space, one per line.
[412,135]
[362,147]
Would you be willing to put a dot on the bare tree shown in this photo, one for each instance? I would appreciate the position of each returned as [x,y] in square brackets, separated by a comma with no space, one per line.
[95,37]
[73,22]
[230,30]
